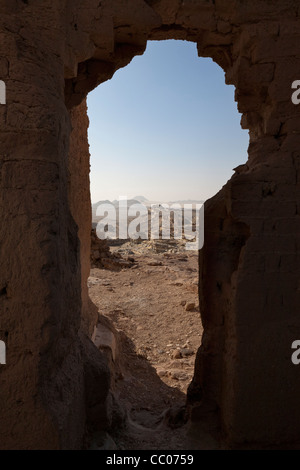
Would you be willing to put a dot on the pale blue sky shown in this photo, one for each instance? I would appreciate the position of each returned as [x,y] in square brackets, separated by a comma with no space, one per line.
[165,127]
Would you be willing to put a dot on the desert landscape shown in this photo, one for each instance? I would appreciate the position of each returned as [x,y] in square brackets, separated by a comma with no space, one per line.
[149,293]
[143,345]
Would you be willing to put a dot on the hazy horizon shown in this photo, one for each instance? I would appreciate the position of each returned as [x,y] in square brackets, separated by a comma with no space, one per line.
[137,197]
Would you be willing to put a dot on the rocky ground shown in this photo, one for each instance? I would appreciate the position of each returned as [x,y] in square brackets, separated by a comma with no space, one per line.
[153,305]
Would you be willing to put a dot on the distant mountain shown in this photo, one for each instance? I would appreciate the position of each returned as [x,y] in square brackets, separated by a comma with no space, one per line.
[141,199]
[187,201]
[96,204]
[129,202]
[115,203]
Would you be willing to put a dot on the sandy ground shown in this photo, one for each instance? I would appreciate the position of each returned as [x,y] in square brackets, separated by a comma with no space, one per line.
[154,307]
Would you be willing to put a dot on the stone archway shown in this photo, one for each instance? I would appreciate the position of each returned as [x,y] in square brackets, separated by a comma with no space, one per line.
[249,266]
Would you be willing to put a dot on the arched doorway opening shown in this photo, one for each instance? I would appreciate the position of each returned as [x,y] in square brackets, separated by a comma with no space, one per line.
[154,301]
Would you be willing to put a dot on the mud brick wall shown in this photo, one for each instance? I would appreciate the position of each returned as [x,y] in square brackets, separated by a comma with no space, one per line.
[52,54]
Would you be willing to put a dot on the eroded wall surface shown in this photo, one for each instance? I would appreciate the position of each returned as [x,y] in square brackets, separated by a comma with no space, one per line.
[52,53]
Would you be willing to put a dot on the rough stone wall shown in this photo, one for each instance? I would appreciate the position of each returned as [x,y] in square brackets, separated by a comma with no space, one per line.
[40,305]
[80,203]
[52,53]
[249,267]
